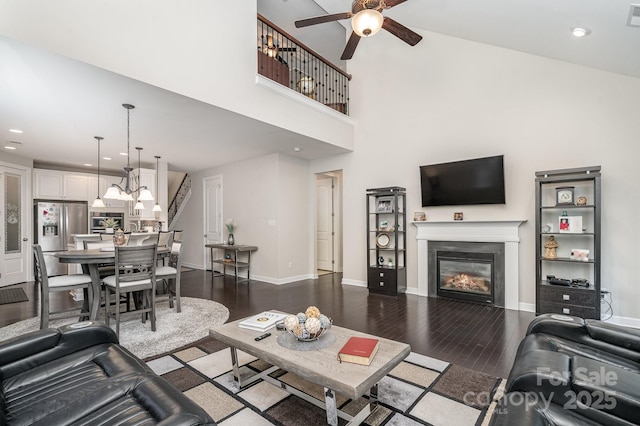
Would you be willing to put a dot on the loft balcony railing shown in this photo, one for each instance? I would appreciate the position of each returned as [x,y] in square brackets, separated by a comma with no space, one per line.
[287,61]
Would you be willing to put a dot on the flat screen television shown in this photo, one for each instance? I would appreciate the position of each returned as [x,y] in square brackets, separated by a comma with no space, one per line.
[477,181]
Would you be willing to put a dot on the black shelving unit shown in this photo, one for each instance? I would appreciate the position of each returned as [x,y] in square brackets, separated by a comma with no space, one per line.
[386,240]
[575,299]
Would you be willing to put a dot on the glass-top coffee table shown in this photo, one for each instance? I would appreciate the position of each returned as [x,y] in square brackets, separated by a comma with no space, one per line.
[320,366]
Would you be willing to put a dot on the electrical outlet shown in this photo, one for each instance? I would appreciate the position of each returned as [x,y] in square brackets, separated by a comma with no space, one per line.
[290,265]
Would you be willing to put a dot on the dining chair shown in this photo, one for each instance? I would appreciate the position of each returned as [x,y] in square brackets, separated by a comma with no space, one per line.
[177,236]
[106,237]
[135,272]
[142,239]
[165,238]
[55,284]
[106,269]
[171,273]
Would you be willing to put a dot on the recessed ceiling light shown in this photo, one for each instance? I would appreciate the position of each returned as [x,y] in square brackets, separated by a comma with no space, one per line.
[106,158]
[15,131]
[124,153]
[580,31]
[9,147]
[297,149]
[88,164]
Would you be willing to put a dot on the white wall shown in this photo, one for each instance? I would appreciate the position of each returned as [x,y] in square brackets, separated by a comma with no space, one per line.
[257,193]
[202,49]
[448,99]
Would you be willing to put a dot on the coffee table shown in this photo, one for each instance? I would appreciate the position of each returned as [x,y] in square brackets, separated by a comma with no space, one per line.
[320,366]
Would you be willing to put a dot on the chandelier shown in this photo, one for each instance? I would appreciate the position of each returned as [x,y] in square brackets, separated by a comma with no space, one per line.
[117,191]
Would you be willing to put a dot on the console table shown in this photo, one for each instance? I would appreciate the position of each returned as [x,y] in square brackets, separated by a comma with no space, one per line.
[235,261]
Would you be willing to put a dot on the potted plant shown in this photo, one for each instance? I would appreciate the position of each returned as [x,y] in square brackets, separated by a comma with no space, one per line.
[109,224]
[231,225]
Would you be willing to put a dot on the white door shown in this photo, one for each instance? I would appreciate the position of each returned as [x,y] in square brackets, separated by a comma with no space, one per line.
[14,226]
[212,214]
[324,222]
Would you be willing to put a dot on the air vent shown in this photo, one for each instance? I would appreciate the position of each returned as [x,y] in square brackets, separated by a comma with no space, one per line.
[15,143]
[634,16]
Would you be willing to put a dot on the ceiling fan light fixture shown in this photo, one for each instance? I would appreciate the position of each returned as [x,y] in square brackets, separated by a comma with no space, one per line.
[367,22]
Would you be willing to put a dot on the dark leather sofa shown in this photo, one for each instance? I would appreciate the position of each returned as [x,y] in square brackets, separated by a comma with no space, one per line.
[572,371]
[82,376]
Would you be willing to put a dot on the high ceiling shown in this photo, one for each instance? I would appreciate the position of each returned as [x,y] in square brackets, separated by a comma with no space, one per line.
[61,104]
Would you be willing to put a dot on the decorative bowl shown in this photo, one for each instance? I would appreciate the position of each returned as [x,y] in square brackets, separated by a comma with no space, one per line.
[307,326]
[311,337]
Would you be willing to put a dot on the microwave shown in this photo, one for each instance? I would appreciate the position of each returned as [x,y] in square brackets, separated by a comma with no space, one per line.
[98,217]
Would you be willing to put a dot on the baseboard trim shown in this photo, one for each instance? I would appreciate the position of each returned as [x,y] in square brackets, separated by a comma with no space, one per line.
[356,283]
[526,307]
[625,321]
[280,281]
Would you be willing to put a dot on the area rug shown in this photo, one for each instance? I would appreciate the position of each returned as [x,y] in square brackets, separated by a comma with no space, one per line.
[173,330]
[419,391]
[12,295]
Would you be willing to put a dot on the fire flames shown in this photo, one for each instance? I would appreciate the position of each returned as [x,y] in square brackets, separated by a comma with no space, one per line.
[467,282]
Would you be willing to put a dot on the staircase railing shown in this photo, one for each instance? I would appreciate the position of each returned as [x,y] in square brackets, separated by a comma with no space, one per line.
[287,61]
[178,199]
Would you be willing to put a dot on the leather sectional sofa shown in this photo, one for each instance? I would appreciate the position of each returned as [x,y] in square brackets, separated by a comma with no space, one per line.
[79,374]
[572,371]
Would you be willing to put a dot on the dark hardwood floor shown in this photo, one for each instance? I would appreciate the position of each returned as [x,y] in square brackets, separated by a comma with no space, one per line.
[478,337]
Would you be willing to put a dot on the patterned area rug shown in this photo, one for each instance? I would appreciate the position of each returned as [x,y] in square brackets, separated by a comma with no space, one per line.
[419,391]
[173,330]
[12,295]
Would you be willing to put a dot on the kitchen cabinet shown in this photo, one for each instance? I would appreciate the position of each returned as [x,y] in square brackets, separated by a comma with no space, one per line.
[55,185]
[101,188]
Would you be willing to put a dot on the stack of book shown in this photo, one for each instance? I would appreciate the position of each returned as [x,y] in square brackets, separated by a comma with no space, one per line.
[262,322]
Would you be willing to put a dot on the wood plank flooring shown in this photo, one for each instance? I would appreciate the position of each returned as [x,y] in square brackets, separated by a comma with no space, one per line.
[478,337]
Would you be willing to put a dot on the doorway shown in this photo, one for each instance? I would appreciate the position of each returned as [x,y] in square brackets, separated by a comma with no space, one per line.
[212,187]
[14,225]
[328,222]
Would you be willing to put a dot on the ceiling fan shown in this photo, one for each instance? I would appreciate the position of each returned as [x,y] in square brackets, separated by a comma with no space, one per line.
[366,20]
[271,47]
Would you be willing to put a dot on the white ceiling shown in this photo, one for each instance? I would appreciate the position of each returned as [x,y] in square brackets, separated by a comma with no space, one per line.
[61,104]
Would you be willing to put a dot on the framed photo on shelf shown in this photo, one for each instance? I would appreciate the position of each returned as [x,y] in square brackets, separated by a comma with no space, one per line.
[580,254]
[385,205]
[570,224]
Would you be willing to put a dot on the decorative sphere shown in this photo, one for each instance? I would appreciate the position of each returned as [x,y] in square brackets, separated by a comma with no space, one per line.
[306,85]
[298,330]
[290,322]
[312,325]
[325,322]
[312,311]
[301,317]
[305,334]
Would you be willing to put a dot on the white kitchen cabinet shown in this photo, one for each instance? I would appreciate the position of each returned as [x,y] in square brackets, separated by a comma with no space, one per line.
[55,185]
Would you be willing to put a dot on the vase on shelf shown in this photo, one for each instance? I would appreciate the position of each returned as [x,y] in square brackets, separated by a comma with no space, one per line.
[231,241]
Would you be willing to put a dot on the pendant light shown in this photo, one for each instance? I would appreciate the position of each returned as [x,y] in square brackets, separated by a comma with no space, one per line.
[139,205]
[116,191]
[98,201]
[157,207]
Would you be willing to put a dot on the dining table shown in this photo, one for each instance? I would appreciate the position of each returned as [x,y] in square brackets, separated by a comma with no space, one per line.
[91,260]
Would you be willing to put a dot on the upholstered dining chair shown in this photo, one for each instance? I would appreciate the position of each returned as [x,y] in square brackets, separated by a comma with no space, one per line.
[135,268]
[177,236]
[171,273]
[55,284]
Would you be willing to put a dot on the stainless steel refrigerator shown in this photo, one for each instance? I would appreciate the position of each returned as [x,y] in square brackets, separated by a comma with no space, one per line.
[56,222]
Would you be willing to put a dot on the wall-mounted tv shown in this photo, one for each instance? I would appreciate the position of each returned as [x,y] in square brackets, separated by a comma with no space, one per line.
[477,181]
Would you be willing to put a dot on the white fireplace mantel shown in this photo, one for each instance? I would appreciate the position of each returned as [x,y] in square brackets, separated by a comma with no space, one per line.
[501,231]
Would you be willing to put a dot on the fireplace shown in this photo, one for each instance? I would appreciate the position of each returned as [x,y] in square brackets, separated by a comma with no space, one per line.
[467,270]
[465,275]
[503,233]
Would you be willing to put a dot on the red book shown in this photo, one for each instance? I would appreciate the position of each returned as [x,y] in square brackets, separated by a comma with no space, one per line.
[358,350]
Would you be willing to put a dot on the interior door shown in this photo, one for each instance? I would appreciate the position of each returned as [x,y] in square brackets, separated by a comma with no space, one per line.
[212,214]
[14,226]
[324,222]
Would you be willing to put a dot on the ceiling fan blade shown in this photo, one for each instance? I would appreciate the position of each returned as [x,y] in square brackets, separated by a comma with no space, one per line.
[350,48]
[400,31]
[391,3]
[322,19]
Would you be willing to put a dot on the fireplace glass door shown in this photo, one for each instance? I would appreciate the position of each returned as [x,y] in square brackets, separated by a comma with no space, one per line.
[466,276]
